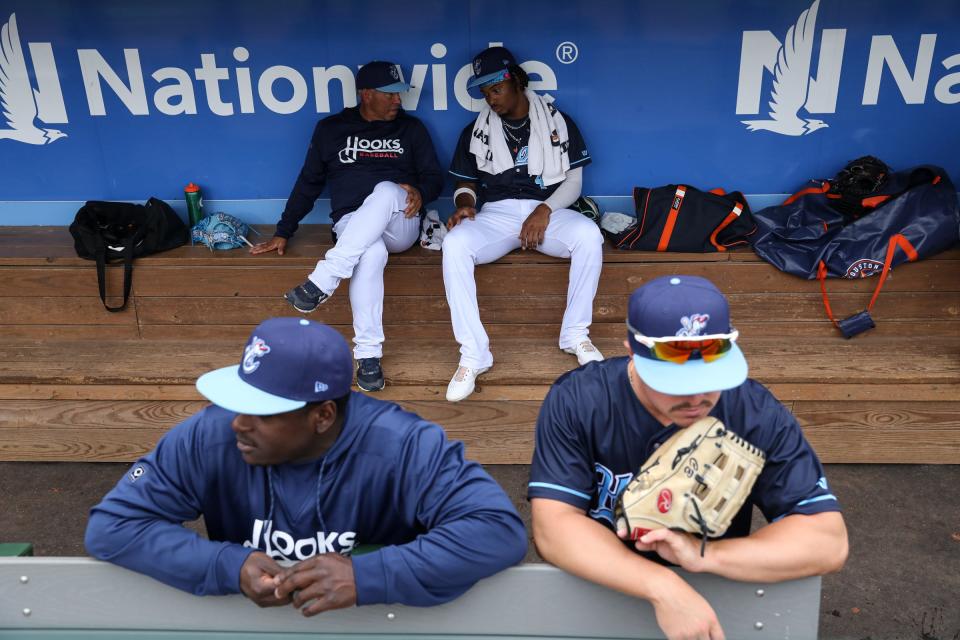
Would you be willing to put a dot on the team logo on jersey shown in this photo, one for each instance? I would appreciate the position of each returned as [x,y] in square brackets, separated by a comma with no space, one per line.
[136,473]
[17,95]
[523,157]
[256,349]
[791,81]
[280,545]
[693,325]
[609,488]
[863,268]
[357,147]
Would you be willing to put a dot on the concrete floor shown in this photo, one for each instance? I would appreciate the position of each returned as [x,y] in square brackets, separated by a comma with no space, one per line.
[902,580]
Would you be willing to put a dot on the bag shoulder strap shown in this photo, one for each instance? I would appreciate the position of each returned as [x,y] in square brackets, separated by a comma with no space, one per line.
[675,207]
[896,240]
[101,258]
[823,188]
[731,217]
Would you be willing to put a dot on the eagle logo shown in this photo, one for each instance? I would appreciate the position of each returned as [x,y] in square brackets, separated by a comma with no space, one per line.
[18,101]
[791,81]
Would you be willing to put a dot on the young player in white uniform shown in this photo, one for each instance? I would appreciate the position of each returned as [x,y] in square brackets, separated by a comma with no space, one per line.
[518,168]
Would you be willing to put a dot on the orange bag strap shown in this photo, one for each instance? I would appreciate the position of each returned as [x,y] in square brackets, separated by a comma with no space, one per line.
[733,215]
[799,194]
[896,240]
[672,217]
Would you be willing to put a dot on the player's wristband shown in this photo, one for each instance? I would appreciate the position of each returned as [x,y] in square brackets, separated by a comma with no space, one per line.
[467,190]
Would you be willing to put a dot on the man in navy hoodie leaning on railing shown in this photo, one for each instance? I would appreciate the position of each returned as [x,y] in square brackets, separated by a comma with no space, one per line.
[289,465]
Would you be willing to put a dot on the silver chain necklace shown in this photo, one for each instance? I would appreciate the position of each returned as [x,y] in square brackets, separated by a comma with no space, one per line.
[516,140]
[507,129]
[525,122]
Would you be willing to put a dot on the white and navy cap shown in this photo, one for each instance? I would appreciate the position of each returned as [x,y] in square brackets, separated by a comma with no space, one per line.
[382,76]
[491,66]
[286,363]
[683,308]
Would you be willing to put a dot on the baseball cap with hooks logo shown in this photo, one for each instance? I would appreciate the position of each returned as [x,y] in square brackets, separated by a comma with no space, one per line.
[286,363]
[491,66]
[382,76]
[682,341]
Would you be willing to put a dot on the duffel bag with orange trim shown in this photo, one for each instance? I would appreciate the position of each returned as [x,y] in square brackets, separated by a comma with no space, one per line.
[679,217]
[914,214]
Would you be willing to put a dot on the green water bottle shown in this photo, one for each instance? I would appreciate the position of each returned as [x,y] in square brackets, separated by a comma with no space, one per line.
[194,203]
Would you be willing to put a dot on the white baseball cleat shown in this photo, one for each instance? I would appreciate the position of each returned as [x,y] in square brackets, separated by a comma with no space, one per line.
[586,352]
[463,382]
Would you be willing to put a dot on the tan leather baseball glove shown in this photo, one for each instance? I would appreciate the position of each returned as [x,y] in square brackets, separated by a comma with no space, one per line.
[696,481]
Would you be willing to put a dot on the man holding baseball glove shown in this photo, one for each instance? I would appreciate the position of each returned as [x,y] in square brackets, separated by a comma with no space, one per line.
[666,452]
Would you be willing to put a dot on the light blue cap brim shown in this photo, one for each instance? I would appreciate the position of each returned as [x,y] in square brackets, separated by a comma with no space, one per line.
[693,376]
[490,78]
[396,87]
[224,388]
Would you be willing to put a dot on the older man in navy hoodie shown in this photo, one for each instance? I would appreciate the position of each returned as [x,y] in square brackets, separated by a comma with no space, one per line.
[289,465]
[382,168]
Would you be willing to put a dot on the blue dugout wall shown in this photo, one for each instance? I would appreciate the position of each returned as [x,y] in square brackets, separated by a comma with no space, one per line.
[121,99]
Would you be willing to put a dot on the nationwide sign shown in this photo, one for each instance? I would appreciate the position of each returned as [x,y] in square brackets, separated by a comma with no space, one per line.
[794,89]
[280,89]
[111,99]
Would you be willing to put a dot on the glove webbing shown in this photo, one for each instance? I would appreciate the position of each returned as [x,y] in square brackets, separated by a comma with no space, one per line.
[698,518]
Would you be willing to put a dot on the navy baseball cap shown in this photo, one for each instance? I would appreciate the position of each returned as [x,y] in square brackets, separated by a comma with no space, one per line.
[684,310]
[382,76]
[490,66]
[286,363]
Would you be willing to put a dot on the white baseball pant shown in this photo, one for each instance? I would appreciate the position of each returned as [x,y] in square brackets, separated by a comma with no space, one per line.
[494,233]
[364,238]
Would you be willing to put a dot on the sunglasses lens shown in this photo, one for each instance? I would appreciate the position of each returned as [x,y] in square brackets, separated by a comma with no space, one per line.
[679,351]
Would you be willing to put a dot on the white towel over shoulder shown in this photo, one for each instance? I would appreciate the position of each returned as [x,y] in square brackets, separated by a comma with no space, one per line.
[548,148]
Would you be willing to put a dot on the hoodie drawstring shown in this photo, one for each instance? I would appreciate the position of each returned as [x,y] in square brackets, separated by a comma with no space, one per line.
[271,497]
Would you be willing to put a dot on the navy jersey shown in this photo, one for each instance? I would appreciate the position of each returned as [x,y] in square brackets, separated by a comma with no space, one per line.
[390,478]
[353,155]
[515,184]
[593,434]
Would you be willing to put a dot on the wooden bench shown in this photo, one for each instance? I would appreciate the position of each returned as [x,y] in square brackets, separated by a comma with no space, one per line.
[78,383]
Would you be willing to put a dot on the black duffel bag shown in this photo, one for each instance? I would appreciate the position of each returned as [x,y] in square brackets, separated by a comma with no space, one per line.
[114,231]
[679,217]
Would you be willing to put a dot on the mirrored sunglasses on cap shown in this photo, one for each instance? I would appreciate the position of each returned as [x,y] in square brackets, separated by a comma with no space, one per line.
[679,349]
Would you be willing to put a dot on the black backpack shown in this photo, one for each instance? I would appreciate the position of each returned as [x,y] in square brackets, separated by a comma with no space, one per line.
[112,231]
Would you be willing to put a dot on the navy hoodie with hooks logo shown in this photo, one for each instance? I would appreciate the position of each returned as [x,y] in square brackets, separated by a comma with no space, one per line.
[352,155]
[391,478]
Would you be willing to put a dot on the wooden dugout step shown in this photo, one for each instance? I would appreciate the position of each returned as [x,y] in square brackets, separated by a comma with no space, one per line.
[896,361]
[441,333]
[52,246]
[227,279]
[495,432]
[112,401]
[78,383]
